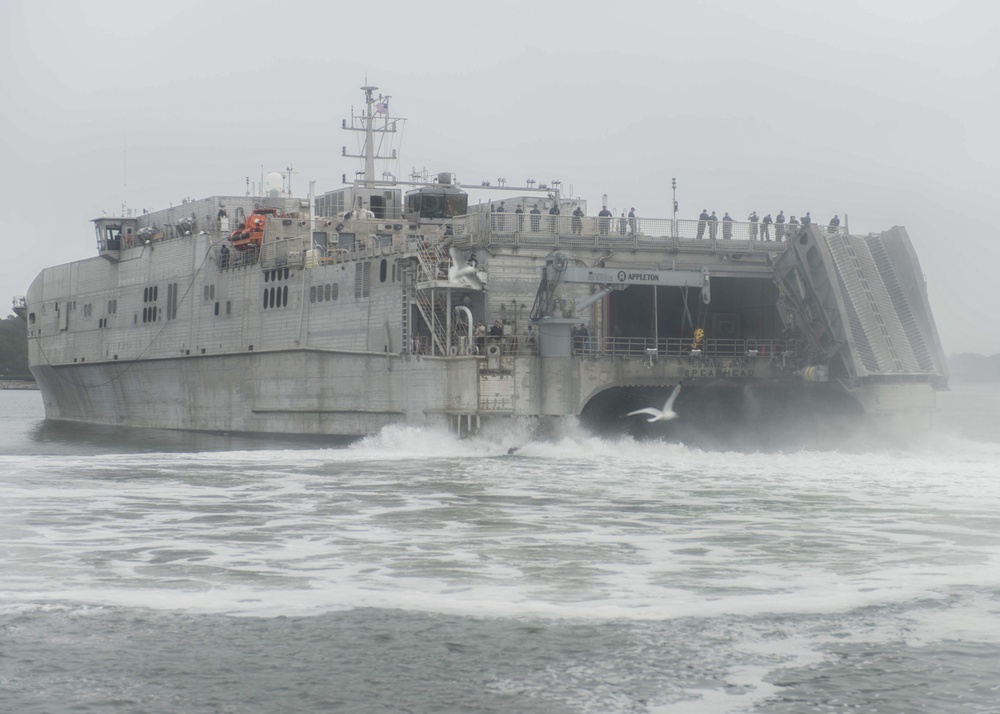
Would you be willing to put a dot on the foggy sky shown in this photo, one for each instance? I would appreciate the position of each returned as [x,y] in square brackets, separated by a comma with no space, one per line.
[884,111]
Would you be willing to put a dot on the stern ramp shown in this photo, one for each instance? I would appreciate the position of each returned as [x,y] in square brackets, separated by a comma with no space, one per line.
[861,304]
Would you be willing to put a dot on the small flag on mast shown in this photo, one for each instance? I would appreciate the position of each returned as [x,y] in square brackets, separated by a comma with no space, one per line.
[382,107]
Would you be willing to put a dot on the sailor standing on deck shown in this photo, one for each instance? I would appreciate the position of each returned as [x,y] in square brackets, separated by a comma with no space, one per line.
[578,221]
[779,226]
[727,227]
[765,227]
[702,220]
[834,223]
[480,337]
[713,226]
[604,220]
[753,224]
[536,217]
[554,217]
[631,220]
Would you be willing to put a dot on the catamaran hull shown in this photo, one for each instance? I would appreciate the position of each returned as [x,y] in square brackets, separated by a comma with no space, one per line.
[280,392]
[322,393]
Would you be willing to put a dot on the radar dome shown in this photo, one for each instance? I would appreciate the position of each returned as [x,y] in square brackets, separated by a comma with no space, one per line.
[274,182]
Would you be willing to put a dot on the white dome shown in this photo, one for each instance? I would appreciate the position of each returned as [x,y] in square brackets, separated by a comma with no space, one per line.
[274,182]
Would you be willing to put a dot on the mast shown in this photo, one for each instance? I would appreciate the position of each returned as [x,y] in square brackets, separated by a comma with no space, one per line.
[366,121]
[369,134]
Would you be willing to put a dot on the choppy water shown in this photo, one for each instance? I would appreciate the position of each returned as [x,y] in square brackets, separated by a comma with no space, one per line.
[145,571]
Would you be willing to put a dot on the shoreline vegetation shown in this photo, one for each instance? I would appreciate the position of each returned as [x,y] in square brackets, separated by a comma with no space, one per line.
[974,367]
[14,351]
[17,384]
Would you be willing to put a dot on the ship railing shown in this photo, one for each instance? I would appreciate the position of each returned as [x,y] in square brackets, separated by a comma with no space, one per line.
[518,344]
[436,318]
[230,259]
[301,251]
[514,230]
[495,403]
[522,344]
[432,259]
[647,347]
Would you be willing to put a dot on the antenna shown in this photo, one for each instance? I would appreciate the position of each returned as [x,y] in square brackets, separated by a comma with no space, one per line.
[372,121]
[124,170]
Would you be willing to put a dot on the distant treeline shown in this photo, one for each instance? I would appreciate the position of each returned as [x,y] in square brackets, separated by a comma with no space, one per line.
[975,368]
[14,349]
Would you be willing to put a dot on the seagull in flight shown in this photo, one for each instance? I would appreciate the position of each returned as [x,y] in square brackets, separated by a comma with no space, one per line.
[666,414]
[466,274]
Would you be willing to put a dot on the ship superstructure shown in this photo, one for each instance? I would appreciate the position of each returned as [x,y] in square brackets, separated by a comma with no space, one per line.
[386,301]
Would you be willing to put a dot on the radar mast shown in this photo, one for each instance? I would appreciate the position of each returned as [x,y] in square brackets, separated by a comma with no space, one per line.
[373,119]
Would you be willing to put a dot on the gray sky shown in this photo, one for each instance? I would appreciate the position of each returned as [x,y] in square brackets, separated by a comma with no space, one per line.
[885,111]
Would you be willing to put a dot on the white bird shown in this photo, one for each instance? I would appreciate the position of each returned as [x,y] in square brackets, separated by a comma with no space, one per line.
[666,414]
[467,273]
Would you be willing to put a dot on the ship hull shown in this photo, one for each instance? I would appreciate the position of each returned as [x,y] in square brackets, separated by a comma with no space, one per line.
[305,392]
[749,404]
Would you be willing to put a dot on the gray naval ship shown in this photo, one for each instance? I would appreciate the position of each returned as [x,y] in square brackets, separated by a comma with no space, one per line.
[387,301]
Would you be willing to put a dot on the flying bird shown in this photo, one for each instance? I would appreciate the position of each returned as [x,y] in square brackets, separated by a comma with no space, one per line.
[466,273]
[666,414]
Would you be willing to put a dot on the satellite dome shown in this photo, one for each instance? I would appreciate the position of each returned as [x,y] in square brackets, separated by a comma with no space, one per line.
[274,182]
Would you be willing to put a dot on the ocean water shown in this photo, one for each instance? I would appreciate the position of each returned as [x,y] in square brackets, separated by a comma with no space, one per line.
[146,571]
